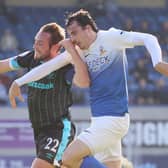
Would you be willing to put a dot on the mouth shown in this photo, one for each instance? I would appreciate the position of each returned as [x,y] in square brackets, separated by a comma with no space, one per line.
[78,44]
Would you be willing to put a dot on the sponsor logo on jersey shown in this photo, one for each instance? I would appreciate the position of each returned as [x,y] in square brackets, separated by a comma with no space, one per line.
[41,85]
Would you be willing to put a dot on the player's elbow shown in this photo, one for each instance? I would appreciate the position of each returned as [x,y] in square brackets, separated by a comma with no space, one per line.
[82,83]
[157,66]
[152,38]
[85,84]
[162,67]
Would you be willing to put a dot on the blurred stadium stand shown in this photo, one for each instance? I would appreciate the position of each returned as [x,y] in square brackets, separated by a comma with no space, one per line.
[144,83]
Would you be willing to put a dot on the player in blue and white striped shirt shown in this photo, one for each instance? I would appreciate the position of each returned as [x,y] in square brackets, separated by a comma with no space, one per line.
[104,53]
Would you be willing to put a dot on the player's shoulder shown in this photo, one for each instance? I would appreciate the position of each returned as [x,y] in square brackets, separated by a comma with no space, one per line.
[25,59]
[29,53]
[116,31]
[110,35]
[111,32]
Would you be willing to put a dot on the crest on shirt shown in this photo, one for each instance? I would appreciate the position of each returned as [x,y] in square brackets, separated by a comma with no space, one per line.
[102,51]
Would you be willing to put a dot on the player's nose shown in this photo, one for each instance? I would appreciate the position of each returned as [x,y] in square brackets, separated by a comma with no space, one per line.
[72,39]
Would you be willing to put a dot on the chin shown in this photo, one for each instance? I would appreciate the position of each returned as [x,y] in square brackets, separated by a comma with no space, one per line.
[37,58]
[81,47]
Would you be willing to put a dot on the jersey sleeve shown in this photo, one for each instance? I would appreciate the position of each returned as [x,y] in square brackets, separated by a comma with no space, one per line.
[121,38]
[21,61]
[46,68]
[130,39]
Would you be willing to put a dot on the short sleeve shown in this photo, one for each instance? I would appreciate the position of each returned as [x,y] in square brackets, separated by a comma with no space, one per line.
[23,60]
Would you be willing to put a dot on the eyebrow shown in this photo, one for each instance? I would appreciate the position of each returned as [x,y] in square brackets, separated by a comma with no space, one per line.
[36,39]
[72,32]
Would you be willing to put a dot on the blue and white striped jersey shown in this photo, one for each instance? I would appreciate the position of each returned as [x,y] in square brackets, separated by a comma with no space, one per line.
[107,65]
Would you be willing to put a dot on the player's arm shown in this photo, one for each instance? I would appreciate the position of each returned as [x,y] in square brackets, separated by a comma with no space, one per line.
[153,47]
[162,67]
[81,76]
[151,44]
[44,69]
[15,91]
[131,39]
[36,74]
[5,66]
[16,62]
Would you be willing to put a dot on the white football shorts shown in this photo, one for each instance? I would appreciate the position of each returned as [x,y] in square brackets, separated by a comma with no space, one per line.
[104,136]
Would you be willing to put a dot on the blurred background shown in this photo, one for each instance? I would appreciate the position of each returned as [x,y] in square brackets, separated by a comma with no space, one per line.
[146,145]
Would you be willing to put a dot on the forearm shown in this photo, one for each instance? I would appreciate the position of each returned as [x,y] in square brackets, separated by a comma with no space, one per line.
[43,70]
[152,45]
[154,49]
[81,77]
[162,67]
[4,66]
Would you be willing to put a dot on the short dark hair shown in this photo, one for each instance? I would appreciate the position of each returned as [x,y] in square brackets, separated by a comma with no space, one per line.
[83,18]
[56,31]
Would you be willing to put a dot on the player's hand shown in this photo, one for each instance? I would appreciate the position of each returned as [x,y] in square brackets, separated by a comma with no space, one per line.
[63,166]
[14,92]
[68,45]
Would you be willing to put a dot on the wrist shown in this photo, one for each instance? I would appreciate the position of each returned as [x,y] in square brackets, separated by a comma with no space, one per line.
[18,82]
[73,51]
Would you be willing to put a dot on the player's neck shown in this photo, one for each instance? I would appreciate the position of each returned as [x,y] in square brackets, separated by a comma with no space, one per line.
[92,38]
[51,56]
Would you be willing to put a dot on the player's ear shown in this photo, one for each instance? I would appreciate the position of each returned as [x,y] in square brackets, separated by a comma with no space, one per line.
[88,27]
[55,48]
